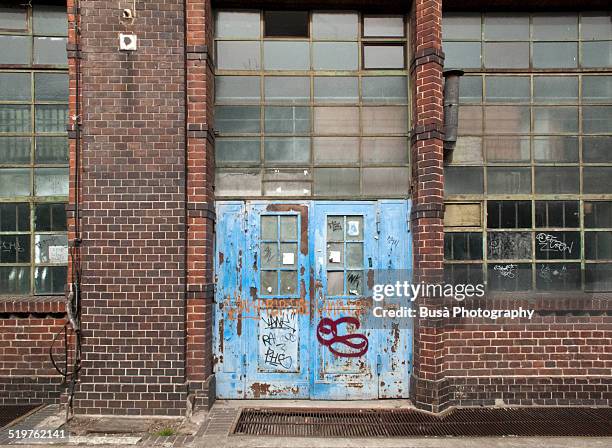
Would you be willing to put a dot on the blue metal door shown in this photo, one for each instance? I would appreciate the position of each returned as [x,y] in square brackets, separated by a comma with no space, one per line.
[291,296]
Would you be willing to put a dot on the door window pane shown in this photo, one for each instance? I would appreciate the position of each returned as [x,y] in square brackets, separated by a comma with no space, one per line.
[381,26]
[336,89]
[51,118]
[557,180]
[237,24]
[237,89]
[335,56]
[554,120]
[51,150]
[341,26]
[286,23]
[286,55]
[555,149]
[509,180]
[336,150]
[289,89]
[383,56]
[230,150]
[597,180]
[336,120]
[14,182]
[236,55]
[385,89]
[15,87]
[462,54]
[336,181]
[287,150]
[597,119]
[16,49]
[463,180]
[237,119]
[15,149]
[555,54]
[555,89]
[506,54]
[385,120]
[508,89]
[50,51]
[461,26]
[597,54]
[506,26]
[51,182]
[50,20]
[555,26]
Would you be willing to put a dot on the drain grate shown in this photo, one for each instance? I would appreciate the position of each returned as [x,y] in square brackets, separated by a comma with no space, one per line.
[8,413]
[473,422]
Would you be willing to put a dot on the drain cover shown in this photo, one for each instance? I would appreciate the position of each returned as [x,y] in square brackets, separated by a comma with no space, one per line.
[8,413]
[472,422]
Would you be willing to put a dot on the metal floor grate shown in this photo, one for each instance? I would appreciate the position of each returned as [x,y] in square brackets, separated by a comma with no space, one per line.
[8,413]
[473,422]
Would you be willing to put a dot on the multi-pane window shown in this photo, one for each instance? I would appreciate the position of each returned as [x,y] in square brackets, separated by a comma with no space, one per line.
[534,154]
[33,149]
[311,104]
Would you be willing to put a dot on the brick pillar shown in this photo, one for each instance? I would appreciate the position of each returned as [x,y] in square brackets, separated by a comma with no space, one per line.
[200,200]
[133,210]
[428,387]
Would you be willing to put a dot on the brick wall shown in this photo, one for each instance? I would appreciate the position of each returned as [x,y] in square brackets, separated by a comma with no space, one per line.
[27,329]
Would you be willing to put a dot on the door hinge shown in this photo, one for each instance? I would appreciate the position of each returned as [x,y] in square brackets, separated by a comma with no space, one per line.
[378,221]
[378,364]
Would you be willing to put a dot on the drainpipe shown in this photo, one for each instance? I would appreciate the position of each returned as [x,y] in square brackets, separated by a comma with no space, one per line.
[451,108]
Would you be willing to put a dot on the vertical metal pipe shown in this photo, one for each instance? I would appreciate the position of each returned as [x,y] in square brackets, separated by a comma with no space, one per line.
[451,107]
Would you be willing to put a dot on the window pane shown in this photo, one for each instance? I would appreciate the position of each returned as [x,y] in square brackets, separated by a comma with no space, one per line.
[556,180]
[51,182]
[381,181]
[238,183]
[14,280]
[286,55]
[237,89]
[14,217]
[509,245]
[555,26]
[237,24]
[15,248]
[507,119]
[287,150]
[14,182]
[15,86]
[470,89]
[461,26]
[557,119]
[462,246]
[555,54]
[509,180]
[287,120]
[336,181]
[50,20]
[557,245]
[336,120]
[463,180]
[50,51]
[238,55]
[50,279]
[336,150]
[555,149]
[51,118]
[336,90]
[595,26]
[51,86]
[557,214]
[597,180]
[508,89]
[334,26]
[507,149]
[286,23]
[13,18]
[50,217]
[51,150]
[385,120]
[597,54]
[597,149]
[555,89]
[15,118]
[287,182]
[16,49]
[597,119]
[598,245]
[597,214]
[383,56]
[237,119]
[598,277]
[288,89]
[506,26]
[15,149]
[385,150]
[557,277]
[597,89]
[461,54]
[470,120]
[230,150]
[51,249]
[335,55]
[384,89]
[391,26]
[506,54]
[508,214]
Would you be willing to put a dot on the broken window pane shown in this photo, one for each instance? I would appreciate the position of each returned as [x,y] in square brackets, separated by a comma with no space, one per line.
[286,23]
[557,214]
[290,89]
[383,56]
[50,51]
[15,149]
[15,87]
[333,89]
[557,180]
[597,214]
[237,89]
[283,55]
[509,180]
[335,55]
[236,55]
[237,24]
[341,26]
[383,26]
[51,181]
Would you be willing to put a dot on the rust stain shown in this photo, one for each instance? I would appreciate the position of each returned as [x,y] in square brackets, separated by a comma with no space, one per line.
[303,211]
[260,389]
[239,264]
[255,261]
[371,279]
[221,327]
[396,336]
[239,325]
[221,258]
[253,293]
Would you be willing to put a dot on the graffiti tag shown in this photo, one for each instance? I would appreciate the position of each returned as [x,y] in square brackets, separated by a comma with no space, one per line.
[550,243]
[327,335]
[508,271]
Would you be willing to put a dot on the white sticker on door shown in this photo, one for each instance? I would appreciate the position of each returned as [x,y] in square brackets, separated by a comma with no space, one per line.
[288,258]
[352,228]
[334,256]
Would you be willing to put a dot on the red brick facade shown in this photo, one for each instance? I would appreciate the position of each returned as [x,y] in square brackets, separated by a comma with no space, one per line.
[145,143]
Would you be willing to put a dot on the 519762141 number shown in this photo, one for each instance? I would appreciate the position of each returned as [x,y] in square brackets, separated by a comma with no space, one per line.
[36,434]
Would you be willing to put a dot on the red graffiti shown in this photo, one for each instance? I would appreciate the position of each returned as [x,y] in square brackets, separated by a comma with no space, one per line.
[327,334]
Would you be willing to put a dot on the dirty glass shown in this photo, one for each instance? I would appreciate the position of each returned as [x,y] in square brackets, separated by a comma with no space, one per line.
[51,118]
[230,150]
[557,277]
[237,89]
[504,26]
[557,180]
[382,150]
[284,55]
[290,150]
[237,24]
[555,54]
[336,120]
[51,181]
[384,120]
[15,118]
[14,182]
[385,181]
[50,217]
[384,89]
[335,55]
[237,55]
[502,149]
[506,54]
[597,119]
[50,51]
[597,89]
[286,120]
[598,214]
[508,89]
[461,26]
[597,180]
[383,56]
[557,26]
[50,279]
[336,150]
[557,214]
[330,26]
[557,245]
[238,119]
[462,54]
[463,246]
[383,26]
[13,18]
[15,280]
[555,89]
[287,89]
[15,150]
[555,119]
[336,181]
[555,149]
[50,20]
[14,217]
[597,149]
[15,87]
[333,89]
[463,180]
[470,89]
[596,54]
[16,49]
